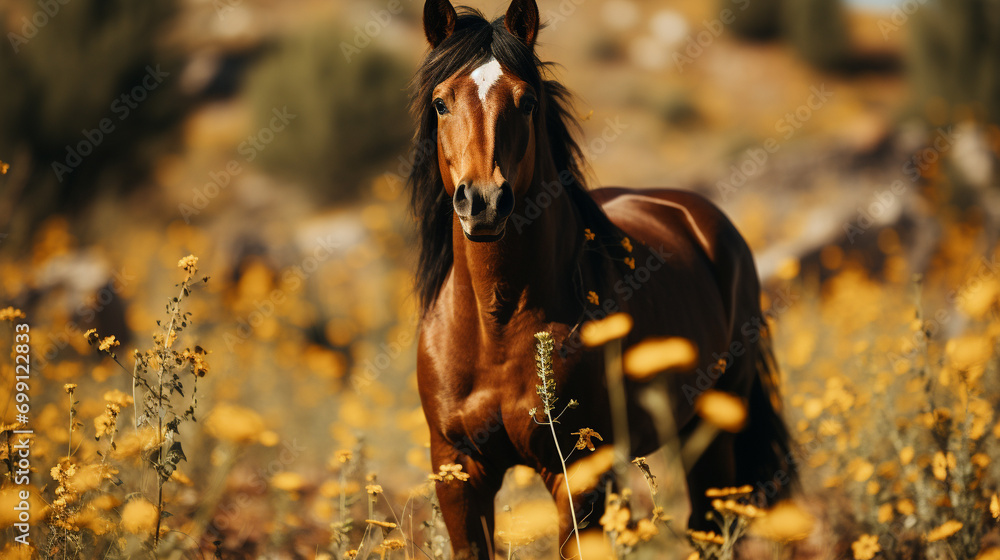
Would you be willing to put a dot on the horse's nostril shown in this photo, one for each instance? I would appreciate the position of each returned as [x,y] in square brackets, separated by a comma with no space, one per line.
[461,201]
[505,202]
[477,203]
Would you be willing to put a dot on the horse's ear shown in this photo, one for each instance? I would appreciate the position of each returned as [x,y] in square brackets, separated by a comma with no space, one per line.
[439,21]
[522,21]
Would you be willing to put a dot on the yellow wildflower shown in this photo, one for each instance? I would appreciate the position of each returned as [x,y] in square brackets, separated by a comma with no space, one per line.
[785,522]
[885,513]
[592,298]
[627,538]
[393,544]
[729,491]
[866,547]
[589,234]
[659,515]
[630,262]
[189,264]
[947,529]
[940,466]
[197,360]
[656,355]
[234,423]
[723,410]
[139,517]
[344,456]
[905,507]
[107,422]
[612,327]
[734,507]
[646,530]
[616,516]
[449,473]
[906,455]
[11,313]
[864,471]
[627,244]
[706,537]
[119,398]
[288,481]
[585,438]
[989,554]
[108,343]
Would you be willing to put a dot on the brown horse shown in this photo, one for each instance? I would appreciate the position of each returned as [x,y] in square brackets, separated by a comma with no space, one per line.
[513,244]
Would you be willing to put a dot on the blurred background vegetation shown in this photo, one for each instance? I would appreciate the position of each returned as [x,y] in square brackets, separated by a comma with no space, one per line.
[302,226]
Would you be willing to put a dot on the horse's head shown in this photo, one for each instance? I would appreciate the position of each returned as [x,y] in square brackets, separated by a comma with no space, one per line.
[486,117]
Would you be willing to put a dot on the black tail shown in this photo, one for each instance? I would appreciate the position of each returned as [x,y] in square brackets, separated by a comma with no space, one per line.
[764,451]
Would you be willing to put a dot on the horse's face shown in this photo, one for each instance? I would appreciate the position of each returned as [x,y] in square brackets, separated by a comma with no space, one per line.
[486,144]
[486,129]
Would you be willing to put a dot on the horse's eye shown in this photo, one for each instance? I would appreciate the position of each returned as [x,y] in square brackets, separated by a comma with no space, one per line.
[440,107]
[528,105]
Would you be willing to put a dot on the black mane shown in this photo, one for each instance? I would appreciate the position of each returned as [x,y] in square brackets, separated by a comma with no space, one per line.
[474,41]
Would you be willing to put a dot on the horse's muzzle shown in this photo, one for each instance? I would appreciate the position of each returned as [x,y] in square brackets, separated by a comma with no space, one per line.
[483,210]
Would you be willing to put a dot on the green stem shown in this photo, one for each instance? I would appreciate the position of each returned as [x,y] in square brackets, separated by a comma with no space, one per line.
[616,396]
[569,492]
[160,412]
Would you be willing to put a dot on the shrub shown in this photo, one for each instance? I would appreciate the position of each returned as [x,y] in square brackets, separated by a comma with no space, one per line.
[351,116]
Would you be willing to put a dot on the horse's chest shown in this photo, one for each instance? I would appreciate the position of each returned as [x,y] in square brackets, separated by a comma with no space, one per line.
[482,402]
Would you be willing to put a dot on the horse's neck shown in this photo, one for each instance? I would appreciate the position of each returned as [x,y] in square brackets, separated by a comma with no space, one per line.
[532,267]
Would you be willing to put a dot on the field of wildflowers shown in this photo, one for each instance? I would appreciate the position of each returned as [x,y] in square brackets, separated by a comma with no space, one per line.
[271,409]
[207,333]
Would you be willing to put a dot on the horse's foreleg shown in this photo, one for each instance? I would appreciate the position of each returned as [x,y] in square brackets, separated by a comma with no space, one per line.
[466,505]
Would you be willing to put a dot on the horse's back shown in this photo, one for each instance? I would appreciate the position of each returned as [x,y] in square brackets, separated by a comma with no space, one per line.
[695,230]
[657,215]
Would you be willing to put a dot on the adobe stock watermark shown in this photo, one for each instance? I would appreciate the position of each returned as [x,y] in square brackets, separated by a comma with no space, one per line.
[884,200]
[228,518]
[766,490]
[418,154]
[753,330]
[365,34]
[562,12]
[756,159]
[249,149]
[625,288]
[86,314]
[389,351]
[552,190]
[291,280]
[223,7]
[901,13]
[696,44]
[31,25]
[122,108]
[937,323]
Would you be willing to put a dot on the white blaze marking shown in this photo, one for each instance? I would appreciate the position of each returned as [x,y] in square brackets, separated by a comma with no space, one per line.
[485,76]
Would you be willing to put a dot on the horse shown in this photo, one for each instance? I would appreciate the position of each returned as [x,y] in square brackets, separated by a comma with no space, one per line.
[513,243]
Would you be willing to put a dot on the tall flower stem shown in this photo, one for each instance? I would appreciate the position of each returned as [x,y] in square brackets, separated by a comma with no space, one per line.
[546,391]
